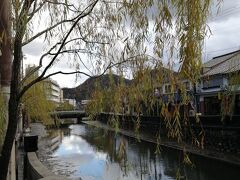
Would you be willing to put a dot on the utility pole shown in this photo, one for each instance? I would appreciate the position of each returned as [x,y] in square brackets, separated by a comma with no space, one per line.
[5,68]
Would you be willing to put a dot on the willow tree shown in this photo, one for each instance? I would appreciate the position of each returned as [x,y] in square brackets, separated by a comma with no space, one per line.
[98,35]
[35,103]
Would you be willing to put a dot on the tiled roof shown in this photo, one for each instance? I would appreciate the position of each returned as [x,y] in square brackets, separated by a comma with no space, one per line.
[222,64]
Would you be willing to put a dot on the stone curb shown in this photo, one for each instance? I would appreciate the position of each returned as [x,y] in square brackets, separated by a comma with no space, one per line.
[38,171]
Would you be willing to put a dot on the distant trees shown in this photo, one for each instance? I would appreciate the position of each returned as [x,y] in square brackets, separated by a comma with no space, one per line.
[35,103]
[64,106]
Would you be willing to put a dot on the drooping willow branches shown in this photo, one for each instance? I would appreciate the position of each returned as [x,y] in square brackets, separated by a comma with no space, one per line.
[98,34]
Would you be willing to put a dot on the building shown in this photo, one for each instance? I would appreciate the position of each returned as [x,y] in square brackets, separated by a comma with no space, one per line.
[220,84]
[172,86]
[30,71]
[53,91]
[168,88]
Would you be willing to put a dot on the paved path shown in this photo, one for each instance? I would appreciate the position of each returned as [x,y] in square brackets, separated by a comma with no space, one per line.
[36,129]
[20,162]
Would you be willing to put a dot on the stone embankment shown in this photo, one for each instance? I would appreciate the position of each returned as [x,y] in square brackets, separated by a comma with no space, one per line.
[230,158]
[33,166]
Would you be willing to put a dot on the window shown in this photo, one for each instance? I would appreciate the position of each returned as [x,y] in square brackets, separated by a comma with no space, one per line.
[213,82]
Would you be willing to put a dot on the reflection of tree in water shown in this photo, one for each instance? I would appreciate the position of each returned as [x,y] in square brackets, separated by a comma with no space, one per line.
[146,161]
[59,132]
[122,155]
[127,158]
[102,141]
[132,156]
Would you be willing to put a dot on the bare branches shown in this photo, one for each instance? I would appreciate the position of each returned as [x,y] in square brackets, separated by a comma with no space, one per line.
[73,51]
[36,9]
[54,25]
[65,73]
[40,62]
[20,21]
[70,51]
[83,14]
[110,65]
[84,38]
[71,7]
[46,30]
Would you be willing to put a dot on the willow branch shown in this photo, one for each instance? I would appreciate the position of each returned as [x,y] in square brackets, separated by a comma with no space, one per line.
[83,63]
[65,73]
[44,31]
[52,27]
[110,65]
[81,16]
[64,4]
[35,10]
[62,52]
[73,51]
[40,63]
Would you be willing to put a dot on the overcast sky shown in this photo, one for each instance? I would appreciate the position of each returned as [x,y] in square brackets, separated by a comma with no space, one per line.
[225,27]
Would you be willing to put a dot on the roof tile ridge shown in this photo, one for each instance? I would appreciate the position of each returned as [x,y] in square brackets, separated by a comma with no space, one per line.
[234,54]
[232,67]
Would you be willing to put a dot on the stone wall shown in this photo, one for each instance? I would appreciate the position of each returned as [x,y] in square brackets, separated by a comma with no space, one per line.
[36,170]
[226,140]
[220,135]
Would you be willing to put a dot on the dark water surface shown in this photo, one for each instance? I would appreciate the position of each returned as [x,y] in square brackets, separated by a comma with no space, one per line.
[96,154]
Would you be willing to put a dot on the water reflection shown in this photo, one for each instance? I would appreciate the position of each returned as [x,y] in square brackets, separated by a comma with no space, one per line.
[95,154]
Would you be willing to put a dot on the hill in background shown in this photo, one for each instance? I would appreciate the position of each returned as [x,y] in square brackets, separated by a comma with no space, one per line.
[85,90]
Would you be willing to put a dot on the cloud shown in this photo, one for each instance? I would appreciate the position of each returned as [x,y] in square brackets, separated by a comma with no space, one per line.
[225,30]
[34,48]
[223,11]
[225,26]
[69,81]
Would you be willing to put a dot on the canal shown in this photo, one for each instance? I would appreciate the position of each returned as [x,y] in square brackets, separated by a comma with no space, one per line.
[96,154]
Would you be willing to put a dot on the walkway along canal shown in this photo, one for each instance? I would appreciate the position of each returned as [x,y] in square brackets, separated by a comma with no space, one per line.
[90,153]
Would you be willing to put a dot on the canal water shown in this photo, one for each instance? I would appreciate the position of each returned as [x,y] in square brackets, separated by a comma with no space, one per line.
[90,153]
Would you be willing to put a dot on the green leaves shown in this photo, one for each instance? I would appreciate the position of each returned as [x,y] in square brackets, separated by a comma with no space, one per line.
[36,104]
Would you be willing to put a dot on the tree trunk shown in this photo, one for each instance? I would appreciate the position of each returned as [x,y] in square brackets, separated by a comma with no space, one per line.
[13,111]
[5,77]
[14,101]
[9,138]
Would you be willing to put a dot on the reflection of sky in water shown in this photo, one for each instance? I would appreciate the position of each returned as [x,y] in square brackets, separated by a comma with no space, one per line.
[95,167]
[78,155]
[83,158]
[73,145]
